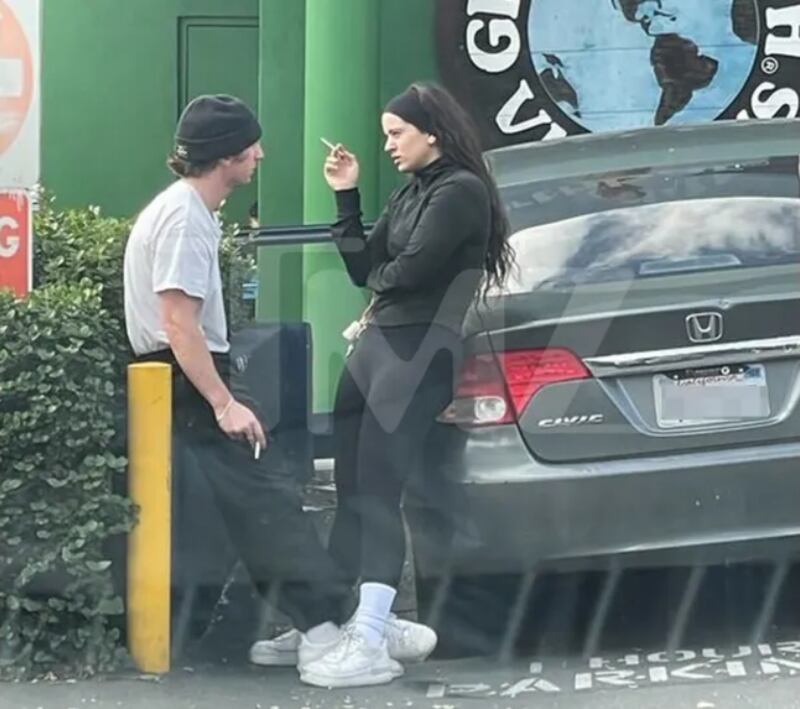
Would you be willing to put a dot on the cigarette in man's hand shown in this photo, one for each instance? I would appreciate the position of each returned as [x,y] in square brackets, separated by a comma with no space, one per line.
[257,450]
[327,143]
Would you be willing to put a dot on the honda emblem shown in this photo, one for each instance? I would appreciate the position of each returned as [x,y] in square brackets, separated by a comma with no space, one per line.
[704,327]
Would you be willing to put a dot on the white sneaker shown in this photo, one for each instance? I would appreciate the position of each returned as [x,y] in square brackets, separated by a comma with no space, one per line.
[352,663]
[280,651]
[311,652]
[408,641]
[289,649]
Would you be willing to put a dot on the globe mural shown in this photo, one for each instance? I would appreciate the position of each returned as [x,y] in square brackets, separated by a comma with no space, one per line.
[613,64]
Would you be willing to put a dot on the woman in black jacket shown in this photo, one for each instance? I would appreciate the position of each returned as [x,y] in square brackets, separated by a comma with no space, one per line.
[441,236]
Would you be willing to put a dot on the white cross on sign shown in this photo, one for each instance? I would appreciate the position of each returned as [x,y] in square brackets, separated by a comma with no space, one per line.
[19,93]
[11,77]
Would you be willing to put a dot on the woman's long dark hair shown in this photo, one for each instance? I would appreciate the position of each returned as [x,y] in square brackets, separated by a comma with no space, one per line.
[457,138]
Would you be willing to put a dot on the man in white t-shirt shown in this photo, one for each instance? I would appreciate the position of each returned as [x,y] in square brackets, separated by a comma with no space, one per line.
[174,313]
[173,287]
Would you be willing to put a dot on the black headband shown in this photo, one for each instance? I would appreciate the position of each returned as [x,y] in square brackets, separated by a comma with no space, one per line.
[408,107]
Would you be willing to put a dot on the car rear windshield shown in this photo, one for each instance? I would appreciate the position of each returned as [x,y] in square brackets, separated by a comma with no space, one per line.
[655,224]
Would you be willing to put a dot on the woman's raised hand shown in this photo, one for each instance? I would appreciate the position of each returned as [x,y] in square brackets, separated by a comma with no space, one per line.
[341,168]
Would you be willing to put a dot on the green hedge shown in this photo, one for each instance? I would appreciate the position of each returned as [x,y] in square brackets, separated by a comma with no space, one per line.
[58,389]
[63,355]
[82,245]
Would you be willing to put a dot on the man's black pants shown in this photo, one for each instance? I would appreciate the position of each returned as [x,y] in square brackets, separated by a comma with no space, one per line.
[260,502]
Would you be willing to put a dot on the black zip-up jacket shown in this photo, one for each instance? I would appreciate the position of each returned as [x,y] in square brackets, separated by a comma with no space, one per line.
[424,258]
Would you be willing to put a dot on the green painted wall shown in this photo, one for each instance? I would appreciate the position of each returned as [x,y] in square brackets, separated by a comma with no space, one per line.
[338,94]
[282,100]
[111,93]
[407,53]
[337,91]
[389,44]
[341,98]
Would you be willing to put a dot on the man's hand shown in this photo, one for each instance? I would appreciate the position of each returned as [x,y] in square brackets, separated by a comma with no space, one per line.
[237,421]
[180,314]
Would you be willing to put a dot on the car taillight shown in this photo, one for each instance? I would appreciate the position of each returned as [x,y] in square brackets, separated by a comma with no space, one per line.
[497,389]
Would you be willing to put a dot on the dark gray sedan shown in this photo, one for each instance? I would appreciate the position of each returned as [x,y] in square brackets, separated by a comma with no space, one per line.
[633,391]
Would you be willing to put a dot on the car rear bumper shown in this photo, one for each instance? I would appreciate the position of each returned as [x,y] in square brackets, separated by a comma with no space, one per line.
[501,511]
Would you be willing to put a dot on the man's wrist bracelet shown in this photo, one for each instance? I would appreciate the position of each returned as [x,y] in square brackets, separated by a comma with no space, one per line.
[225,411]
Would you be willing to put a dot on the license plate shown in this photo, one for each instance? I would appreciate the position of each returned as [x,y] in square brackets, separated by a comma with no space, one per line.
[713,395]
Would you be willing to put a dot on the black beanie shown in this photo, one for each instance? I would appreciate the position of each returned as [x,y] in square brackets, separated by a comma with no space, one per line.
[214,127]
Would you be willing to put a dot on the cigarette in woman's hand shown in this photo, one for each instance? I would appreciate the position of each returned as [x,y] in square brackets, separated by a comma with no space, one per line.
[327,143]
[257,450]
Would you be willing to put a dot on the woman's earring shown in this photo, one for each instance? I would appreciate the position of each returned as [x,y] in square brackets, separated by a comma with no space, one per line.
[431,139]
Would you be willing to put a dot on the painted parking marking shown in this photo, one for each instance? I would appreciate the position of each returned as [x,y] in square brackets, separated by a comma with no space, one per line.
[635,671]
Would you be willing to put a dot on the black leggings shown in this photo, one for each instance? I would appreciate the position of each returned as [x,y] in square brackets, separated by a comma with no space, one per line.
[396,382]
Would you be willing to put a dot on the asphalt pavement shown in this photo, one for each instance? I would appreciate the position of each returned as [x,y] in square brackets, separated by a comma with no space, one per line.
[763,677]
[720,666]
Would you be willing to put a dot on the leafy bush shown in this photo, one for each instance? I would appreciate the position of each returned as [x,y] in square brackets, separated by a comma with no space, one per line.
[79,245]
[57,399]
[237,267]
[63,354]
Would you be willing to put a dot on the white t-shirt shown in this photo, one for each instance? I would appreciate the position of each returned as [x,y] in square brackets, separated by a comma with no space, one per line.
[174,244]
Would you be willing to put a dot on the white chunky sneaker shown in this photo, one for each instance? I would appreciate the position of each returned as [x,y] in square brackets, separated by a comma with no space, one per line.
[351,663]
[408,641]
[311,651]
[280,651]
[289,649]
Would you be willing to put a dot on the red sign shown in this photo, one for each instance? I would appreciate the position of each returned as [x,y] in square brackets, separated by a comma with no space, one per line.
[16,243]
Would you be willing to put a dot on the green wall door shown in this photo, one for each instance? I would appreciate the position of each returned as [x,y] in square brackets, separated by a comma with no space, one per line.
[114,78]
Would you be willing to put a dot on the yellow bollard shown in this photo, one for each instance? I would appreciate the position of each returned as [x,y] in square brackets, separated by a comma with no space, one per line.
[150,487]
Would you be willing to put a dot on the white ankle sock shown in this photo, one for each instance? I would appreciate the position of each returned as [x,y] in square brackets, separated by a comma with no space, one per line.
[374,606]
[324,633]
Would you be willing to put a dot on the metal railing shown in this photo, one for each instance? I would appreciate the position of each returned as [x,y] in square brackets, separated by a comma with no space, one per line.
[294,235]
